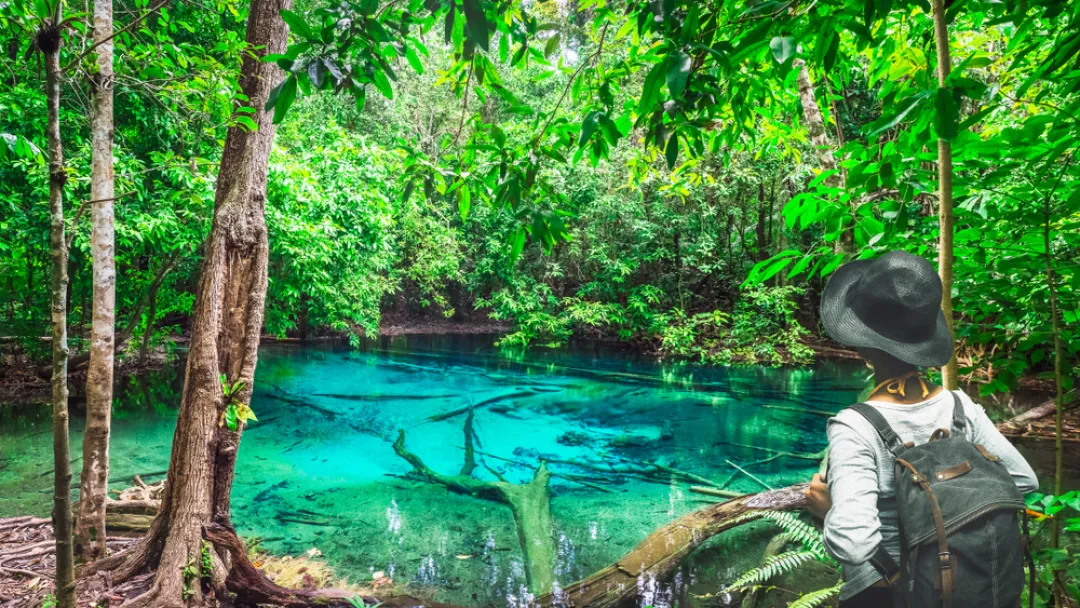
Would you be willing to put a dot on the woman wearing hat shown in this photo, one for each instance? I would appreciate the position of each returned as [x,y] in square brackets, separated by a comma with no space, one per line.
[889,309]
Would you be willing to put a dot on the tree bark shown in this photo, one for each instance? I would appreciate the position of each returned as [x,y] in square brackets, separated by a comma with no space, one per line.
[945,200]
[225,333]
[819,138]
[49,41]
[94,482]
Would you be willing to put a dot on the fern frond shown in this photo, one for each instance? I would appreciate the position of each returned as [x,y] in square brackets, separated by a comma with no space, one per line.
[797,530]
[772,567]
[816,598]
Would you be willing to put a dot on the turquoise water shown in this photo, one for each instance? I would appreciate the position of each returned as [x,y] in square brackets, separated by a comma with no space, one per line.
[318,469]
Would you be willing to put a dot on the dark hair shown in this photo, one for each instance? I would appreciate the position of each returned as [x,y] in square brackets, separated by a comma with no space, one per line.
[884,363]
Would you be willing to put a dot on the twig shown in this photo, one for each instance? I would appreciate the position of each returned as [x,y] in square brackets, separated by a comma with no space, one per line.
[464,104]
[126,28]
[566,89]
[749,474]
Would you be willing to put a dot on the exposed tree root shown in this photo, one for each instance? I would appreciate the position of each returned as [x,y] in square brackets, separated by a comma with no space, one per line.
[251,586]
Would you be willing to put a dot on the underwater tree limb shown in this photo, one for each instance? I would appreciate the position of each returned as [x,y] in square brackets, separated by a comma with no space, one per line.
[529,503]
[659,554]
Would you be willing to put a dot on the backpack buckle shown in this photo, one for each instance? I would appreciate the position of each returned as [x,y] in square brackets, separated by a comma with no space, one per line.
[945,560]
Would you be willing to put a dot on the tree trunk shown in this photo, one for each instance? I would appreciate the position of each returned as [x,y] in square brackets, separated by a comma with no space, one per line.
[762,237]
[819,137]
[531,507]
[49,41]
[94,482]
[945,205]
[225,332]
[1059,401]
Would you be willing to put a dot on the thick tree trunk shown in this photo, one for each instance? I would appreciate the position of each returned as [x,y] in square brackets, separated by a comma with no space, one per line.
[225,332]
[819,137]
[94,482]
[49,41]
[945,205]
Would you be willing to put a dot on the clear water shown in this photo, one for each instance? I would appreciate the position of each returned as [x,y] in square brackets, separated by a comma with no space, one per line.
[318,469]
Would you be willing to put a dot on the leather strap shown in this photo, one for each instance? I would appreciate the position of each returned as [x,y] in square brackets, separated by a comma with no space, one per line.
[945,562]
[887,434]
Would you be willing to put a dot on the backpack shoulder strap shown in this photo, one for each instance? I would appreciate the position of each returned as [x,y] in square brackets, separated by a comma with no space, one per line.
[886,432]
[959,420]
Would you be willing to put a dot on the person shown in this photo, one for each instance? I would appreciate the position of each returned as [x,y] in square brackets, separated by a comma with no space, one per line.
[889,310]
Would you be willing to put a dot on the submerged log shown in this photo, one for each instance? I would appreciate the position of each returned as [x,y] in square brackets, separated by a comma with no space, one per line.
[659,554]
[529,503]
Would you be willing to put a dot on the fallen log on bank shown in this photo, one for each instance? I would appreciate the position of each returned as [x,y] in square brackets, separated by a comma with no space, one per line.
[657,557]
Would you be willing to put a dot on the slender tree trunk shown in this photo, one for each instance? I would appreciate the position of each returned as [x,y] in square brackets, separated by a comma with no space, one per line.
[225,333]
[762,238]
[1055,530]
[94,482]
[819,137]
[49,41]
[945,205]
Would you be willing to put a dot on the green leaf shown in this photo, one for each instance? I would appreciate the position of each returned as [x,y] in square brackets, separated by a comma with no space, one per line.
[477,22]
[504,47]
[905,108]
[671,152]
[517,243]
[552,45]
[588,126]
[247,122]
[382,84]
[413,59]
[284,98]
[947,118]
[231,419]
[650,91]
[464,201]
[830,54]
[678,71]
[317,73]
[297,25]
[783,49]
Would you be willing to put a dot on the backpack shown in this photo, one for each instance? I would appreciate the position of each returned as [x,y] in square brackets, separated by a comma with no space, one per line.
[960,539]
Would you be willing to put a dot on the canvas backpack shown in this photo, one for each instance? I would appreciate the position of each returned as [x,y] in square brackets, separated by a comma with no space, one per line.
[960,538]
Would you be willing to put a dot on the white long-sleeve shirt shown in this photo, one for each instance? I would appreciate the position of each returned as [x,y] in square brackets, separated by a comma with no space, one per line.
[860,472]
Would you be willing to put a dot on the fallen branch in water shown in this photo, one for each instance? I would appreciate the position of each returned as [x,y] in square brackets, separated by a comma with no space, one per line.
[716,492]
[461,410]
[529,503]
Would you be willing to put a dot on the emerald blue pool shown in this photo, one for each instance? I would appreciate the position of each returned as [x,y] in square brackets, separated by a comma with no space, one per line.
[318,469]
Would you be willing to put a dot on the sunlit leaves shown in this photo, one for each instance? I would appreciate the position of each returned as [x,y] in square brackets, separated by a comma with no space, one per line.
[783,49]
[281,98]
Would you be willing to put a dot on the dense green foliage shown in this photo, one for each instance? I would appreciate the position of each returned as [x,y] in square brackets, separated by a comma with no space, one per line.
[627,170]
